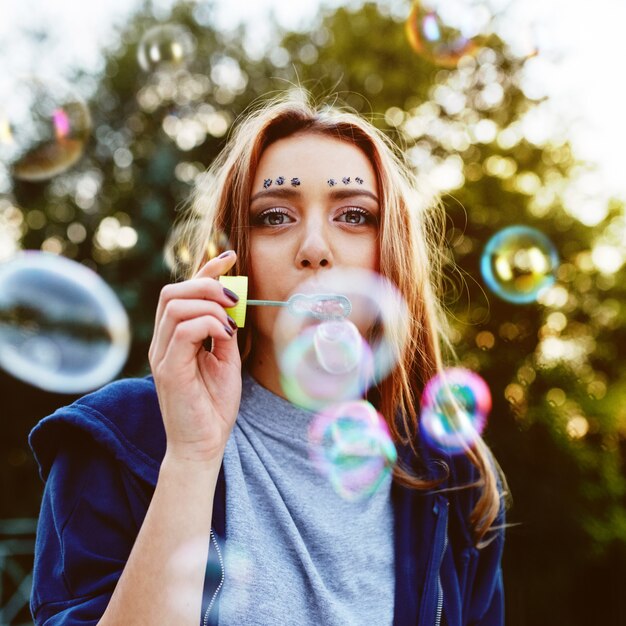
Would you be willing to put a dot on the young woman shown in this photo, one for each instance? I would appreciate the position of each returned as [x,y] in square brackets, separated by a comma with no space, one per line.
[187,497]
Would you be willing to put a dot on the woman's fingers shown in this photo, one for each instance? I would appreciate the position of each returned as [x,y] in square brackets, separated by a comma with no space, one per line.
[202,286]
[180,310]
[207,289]
[218,265]
[191,307]
[188,337]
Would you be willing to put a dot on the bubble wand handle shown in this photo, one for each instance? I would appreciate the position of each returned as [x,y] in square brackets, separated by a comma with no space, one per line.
[267,303]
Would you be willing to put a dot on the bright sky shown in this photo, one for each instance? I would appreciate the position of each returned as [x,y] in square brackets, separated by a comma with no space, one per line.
[579,43]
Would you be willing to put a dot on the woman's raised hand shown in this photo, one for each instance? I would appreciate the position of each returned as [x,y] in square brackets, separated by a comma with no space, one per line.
[199,391]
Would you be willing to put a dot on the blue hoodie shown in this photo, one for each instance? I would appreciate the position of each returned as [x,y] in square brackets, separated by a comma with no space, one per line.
[100,458]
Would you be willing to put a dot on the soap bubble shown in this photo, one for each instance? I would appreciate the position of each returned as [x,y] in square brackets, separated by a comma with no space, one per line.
[339,346]
[177,252]
[184,561]
[455,406]
[351,445]
[324,361]
[62,328]
[326,364]
[519,264]
[165,47]
[44,127]
[443,31]
[239,573]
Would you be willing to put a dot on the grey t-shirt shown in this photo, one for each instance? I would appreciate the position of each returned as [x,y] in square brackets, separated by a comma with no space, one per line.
[296,552]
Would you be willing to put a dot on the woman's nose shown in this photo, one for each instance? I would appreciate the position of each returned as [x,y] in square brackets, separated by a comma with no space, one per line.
[314,250]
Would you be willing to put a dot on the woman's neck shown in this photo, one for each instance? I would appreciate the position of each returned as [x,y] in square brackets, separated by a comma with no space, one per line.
[263,367]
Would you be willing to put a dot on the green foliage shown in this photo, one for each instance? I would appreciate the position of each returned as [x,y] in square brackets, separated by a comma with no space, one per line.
[559,422]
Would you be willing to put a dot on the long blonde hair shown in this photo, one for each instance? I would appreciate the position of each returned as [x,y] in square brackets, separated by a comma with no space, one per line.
[411,253]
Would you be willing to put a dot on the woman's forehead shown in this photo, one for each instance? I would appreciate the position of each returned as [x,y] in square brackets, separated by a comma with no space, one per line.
[314,158]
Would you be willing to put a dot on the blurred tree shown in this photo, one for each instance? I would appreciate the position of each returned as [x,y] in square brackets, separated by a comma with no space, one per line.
[558,424]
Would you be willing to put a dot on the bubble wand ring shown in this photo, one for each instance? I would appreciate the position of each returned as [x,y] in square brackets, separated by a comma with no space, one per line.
[320,306]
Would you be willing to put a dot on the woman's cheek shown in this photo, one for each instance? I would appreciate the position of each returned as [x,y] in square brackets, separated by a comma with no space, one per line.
[263,321]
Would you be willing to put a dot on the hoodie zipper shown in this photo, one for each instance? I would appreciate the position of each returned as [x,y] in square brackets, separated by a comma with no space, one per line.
[205,621]
[439,604]
[432,603]
[440,588]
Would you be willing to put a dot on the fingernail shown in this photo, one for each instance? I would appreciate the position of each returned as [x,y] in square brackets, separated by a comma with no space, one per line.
[230,331]
[232,322]
[225,254]
[231,294]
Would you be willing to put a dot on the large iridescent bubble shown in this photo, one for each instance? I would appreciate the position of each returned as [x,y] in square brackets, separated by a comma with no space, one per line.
[338,352]
[443,31]
[351,445]
[165,47]
[455,406]
[44,127]
[519,264]
[326,363]
[62,327]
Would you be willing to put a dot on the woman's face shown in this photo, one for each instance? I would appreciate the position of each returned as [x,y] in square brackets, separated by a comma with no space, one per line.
[320,211]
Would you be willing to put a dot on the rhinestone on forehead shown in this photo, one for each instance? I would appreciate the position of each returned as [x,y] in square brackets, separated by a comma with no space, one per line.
[295,182]
[359,180]
[280,180]
[267,182]
[332,182]
[346,180]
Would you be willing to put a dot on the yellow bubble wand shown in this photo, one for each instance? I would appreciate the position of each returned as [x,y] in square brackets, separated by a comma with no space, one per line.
[318,306]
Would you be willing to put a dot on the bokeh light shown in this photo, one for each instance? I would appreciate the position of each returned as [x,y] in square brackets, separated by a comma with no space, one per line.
[519,263]
[62,327]
[44,127]
[178,250]
[443,31]
[325,361]
[351,445]
[238,579]
[455,406]
[165,47]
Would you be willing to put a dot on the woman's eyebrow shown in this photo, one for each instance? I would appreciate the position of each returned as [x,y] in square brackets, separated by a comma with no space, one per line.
[339,194]
[335,194]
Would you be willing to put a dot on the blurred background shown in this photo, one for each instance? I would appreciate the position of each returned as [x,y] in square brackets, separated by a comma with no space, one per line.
[510,110]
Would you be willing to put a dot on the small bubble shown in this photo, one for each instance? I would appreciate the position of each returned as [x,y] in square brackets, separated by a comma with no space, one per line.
[519,263]
[350,444]
[44,128]
[455,405]
[443,32]
[165,47]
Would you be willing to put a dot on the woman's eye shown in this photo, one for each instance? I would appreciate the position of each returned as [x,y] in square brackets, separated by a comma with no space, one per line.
[273,218]
[355,216]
